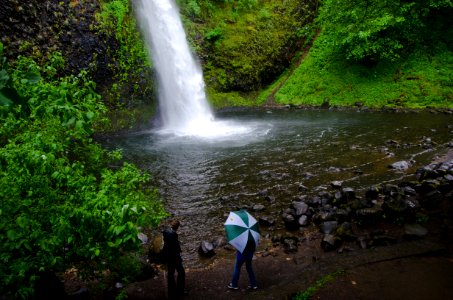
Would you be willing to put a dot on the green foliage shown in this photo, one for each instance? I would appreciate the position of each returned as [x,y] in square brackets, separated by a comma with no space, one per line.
[418,81]
[374,30]
[245,45]
[62,204]
[419,76]
[130,60]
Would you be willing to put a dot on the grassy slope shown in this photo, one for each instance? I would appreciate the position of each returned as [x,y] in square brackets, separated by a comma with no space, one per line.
[243,48]
[238,48]
[420,80]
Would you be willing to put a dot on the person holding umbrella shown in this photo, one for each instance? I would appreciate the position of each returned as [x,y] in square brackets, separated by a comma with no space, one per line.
[242,232]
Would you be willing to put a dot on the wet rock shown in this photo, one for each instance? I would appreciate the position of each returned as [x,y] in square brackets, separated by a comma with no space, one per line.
[410,191]
[289,245]
[329,242]
[263,192]
[219,242]
[266,221]
[344,231]
[270,199]
[326,197]
[314,201]
[391,190]
[414,231]
[302,188]
[290,221]
[258,207]
[303,220]
[369,215]
[142,237]
[308,175]
[348,193]
[206,249]
[400,165]
[342,215]
[329,227]
[362,241]
[336,184]
[323,216]
[300,208]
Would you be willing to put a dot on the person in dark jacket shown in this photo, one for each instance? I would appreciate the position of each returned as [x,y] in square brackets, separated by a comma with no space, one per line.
[172,255]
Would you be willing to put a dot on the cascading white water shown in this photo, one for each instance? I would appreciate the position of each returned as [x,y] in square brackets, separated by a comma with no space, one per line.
[184,108]
[182,99]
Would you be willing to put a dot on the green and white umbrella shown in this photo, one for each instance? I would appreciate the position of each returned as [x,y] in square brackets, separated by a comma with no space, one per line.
[241,228]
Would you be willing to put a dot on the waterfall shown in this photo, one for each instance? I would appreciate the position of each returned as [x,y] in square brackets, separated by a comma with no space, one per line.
[182,99]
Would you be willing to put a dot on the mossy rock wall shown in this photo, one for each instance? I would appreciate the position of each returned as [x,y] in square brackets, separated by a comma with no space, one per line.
[98,36]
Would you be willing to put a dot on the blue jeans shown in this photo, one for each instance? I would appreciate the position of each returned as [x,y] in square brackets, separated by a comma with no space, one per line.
[240,259]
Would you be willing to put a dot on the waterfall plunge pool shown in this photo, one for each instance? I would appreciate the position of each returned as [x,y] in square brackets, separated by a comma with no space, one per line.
[272,153]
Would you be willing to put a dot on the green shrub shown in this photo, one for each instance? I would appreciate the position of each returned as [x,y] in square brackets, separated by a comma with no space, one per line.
[62,203]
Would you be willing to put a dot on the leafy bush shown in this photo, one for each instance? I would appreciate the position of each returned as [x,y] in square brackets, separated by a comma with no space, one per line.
[64,200]
[374,30]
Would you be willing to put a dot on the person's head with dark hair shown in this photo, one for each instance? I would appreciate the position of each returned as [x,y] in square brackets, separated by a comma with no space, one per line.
[175,225]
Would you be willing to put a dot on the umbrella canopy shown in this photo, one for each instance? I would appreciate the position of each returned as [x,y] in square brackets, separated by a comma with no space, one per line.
[241,228]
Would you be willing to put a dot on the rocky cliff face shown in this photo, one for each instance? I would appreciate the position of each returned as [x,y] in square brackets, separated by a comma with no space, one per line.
[37,28]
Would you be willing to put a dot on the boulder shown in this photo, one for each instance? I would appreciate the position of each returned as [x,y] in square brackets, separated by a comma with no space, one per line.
[300,208]
[143,238]
[290,222]
[336,184]
[266,221]
[258,207]
[303,220]
[400,165]
[372,192]
[329,227]
[289,245]
[414,231]
[219,242]
[329,242]
[206,249]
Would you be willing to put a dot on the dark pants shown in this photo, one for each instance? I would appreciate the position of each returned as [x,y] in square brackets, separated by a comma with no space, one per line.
[176,288]
[240,259]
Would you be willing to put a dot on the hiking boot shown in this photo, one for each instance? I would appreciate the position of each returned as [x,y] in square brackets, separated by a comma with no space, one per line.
[232,287]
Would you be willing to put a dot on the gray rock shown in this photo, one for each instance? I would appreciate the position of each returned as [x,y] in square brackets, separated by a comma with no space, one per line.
[206,249]
[415,230]
[258,207]
[400,165]
[329,227]
[303,220]
[336,184]
[328,242]
[266,221]
[219,242]
[290,245]
[300,207]
[142,237]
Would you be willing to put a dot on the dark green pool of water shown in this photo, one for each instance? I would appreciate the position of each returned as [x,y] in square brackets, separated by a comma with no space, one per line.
[202,179]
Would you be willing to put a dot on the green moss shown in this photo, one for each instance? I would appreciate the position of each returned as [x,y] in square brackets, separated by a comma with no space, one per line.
[131,63]
[305,295]
[418,81]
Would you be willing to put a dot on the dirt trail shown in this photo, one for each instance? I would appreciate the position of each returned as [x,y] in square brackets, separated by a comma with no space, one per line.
[377,272]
